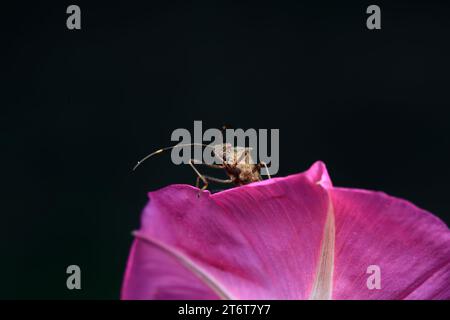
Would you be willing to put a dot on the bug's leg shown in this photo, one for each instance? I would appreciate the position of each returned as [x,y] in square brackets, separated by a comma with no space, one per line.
[217,180]
[218,166]
[199,176]
[212,179]
[263,164]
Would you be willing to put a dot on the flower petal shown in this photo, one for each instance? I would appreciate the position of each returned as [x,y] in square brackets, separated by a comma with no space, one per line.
[259,241]
[286,238]
[154,272]
[410,246]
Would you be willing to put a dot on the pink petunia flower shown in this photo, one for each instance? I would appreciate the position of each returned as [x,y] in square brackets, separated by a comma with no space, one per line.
[296,237]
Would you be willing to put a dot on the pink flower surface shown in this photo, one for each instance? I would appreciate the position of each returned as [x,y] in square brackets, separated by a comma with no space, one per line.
[296,237]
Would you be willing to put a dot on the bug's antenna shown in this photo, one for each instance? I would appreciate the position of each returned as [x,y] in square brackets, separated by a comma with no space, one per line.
[168,148]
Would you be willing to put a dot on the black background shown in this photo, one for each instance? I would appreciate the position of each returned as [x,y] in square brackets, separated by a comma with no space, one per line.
[78,108]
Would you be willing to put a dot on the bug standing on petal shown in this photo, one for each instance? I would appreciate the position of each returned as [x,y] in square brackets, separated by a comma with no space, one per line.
[243,155]
[236,161]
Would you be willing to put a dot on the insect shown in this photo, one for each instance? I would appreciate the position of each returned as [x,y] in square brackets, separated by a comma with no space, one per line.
[236,161]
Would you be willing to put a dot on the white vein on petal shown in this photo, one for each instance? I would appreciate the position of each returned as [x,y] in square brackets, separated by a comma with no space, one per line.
[203,275]
[322,288]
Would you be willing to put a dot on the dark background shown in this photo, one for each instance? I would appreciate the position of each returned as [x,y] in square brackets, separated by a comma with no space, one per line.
[78,108]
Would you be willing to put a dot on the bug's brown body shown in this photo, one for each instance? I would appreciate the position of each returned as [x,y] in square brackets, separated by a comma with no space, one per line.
[236,161]
[238,164]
